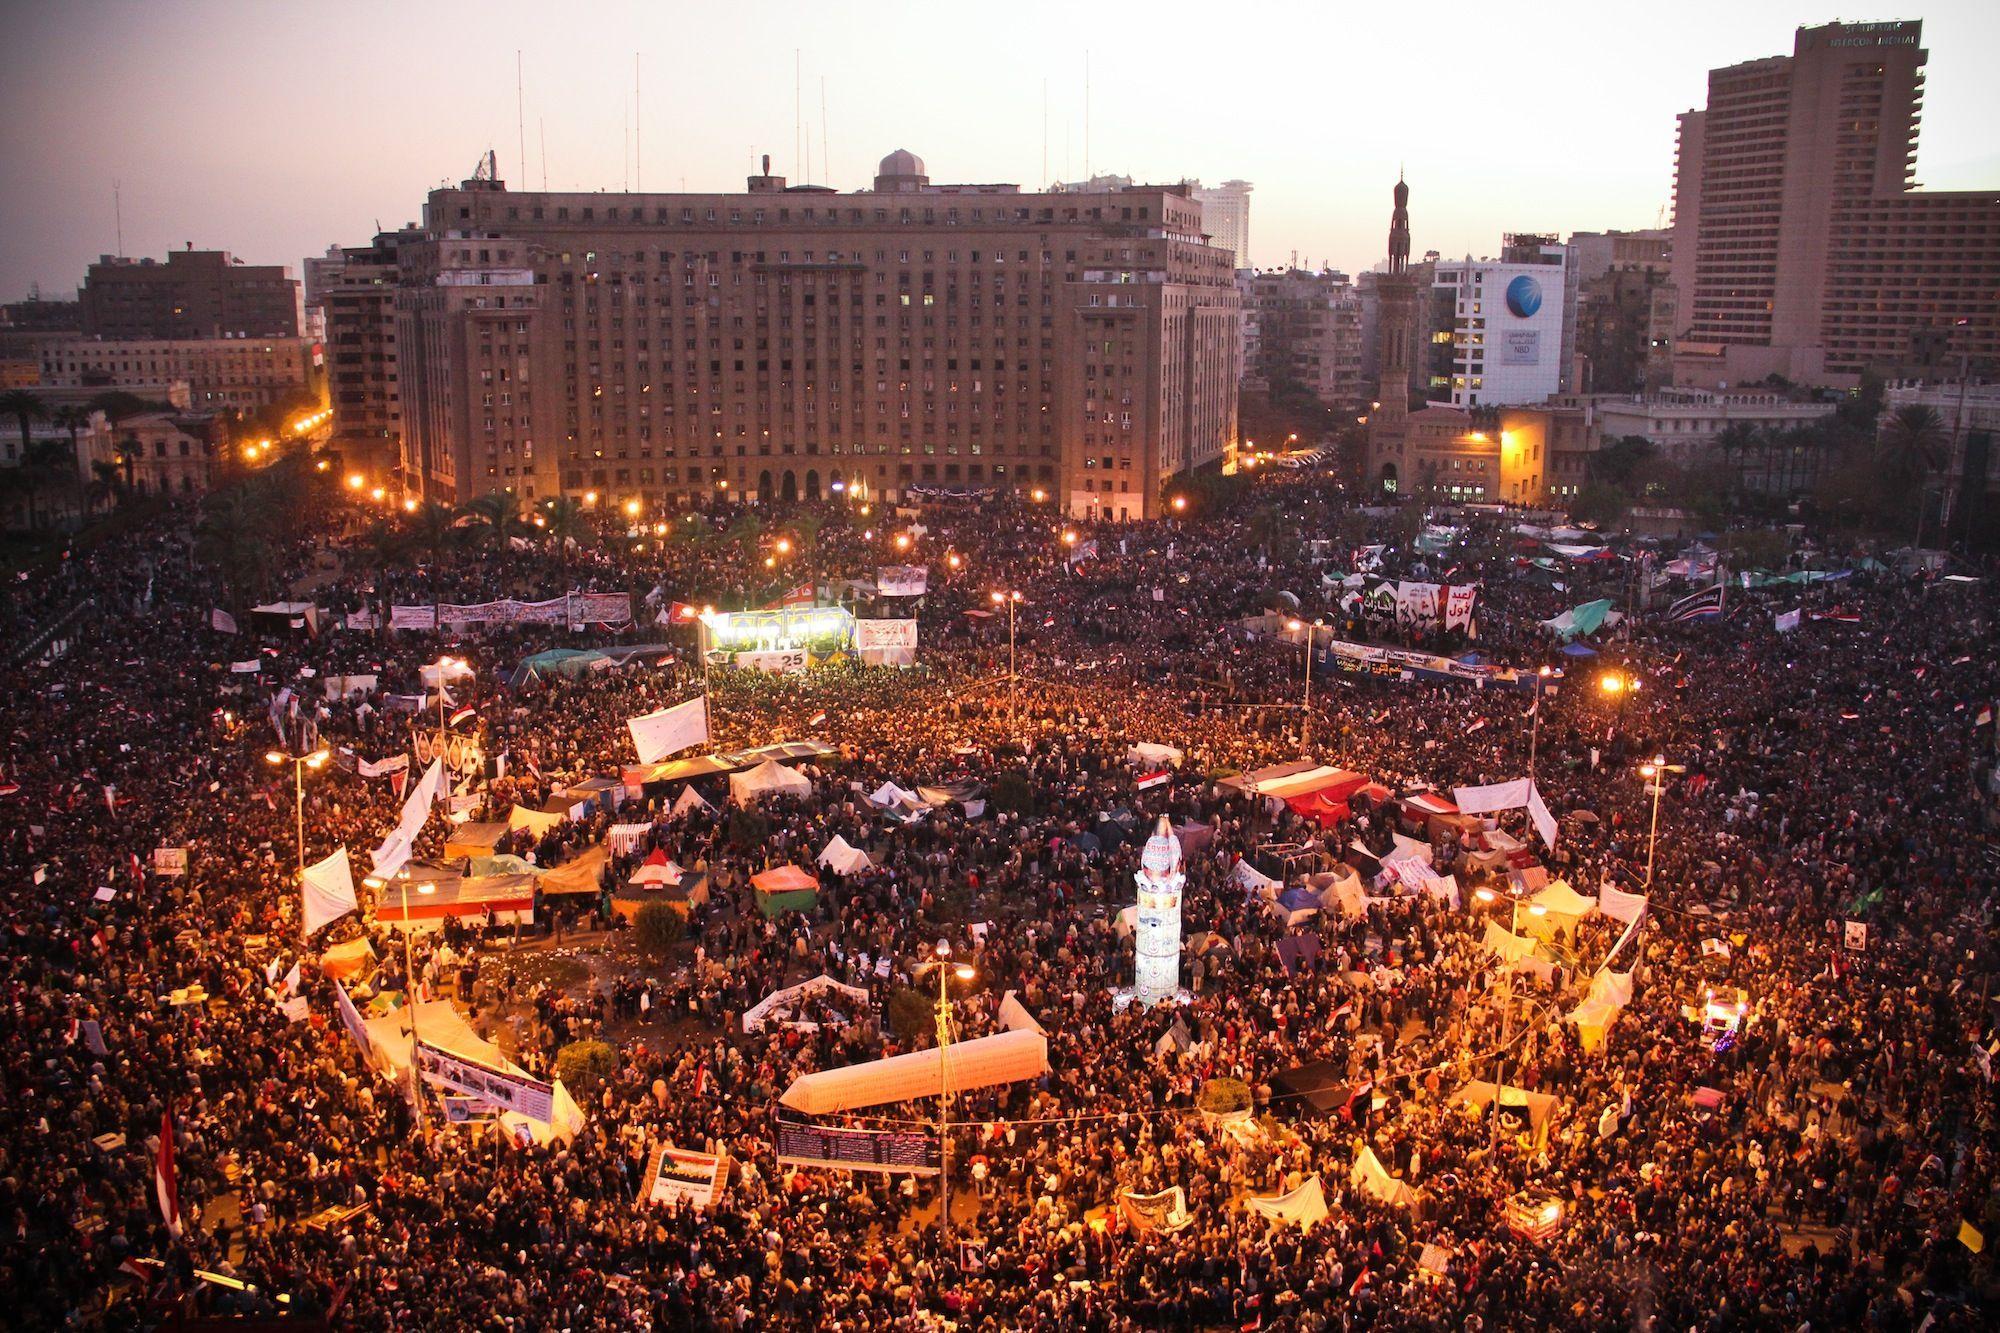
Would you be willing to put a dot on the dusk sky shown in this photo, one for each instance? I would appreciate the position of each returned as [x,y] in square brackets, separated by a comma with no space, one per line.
[272,129]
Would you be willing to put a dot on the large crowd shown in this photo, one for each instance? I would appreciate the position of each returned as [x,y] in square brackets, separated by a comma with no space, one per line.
[1829,1164]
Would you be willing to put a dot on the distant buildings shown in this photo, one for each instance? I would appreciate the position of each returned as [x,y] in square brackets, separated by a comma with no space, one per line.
[194,294]
[1801,247]
[1225,211]
[1620,275]
[238,374]
[1513,333]
[1303,330]
[664,349]
[354,290]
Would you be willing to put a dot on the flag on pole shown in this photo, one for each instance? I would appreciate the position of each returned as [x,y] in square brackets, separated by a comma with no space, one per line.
[165,1189]
[463,714]
[1158,779]
[680,613]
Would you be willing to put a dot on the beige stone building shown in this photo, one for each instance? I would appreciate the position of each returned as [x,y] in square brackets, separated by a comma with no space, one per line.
[234,373]
[669,348]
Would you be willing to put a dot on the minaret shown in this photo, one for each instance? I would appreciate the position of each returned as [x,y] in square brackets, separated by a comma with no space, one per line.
[1157,973]
[1387,422]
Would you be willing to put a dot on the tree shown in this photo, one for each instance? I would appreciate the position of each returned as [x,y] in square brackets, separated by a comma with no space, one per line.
[565,521]
[1616,462]
[657,929]
[496,516]
[1599,502]
[234,538]
[434,530]
[1012,793]
[585,1066]
[26,409]
[747,531]
[912,1015]
[1915,441]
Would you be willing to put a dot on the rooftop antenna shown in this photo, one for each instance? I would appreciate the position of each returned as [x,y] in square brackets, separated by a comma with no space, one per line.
[798,113]
[638,132]
[825,169]
[520,116]
[118,216]
[542,128]
[1045,132]
[1086,114]
[625,163]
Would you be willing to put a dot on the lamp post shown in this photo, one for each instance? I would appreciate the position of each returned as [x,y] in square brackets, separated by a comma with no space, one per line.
[1011,599]
[409,979]
[1306,708]
[1507,1004]
[945,972]
[1535,725]
[300,763]
[1656,774]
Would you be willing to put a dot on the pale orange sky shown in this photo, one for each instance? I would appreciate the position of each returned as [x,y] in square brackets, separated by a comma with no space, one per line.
[272,128]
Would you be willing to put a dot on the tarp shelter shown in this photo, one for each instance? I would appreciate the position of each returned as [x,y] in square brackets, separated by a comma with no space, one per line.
[1298,1207]
[536,822]
[656,872]
[1579,621]
[500,865]
[842,858]
[777,1006]
[1607,997]
[1533,1108]
[342,961]
[689,799]
[583,875]
[769,778]
[568,663]
[784,889]
[1373,1179]
[984,1062]
[1296,904]
[432,896]
[1340,891]
[1560,899]
[1319,1088]
[1148,754]
[438,1025]
[295,615]
[896,800]
[469,840]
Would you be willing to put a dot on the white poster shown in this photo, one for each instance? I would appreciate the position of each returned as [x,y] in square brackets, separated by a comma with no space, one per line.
[668,731]
[350,1018]
[412,617]
[696,1177]
[1499,796]
[329,891]
[170,861]
[1545,823]
[498,1088]
[781,661]
[886,642]
[1520,347]
[1458,605]
[1856,936]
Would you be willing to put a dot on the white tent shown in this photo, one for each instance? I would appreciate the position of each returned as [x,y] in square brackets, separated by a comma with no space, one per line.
[1005,1057]
[781,1002]
[1561,900]
[1301,1207]
[842,858]
[689,799]
[769,778]
[438,1024]
[897,800]
[1374,1179]
[1150,754]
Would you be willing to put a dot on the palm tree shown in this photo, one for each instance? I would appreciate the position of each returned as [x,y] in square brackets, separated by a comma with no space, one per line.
[565,521]
[26,409]
[47,466]
[234,537]
[434,530]
[747,532]
[496,516]
[1916,445]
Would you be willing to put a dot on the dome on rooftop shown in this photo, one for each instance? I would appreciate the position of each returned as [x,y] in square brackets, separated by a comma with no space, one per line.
[902,162]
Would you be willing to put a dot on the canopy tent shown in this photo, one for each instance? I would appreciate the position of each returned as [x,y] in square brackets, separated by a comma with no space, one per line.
[351,959]
[984,1062]
[1298,1207]
[1508,945]
[1340,890]
[778,1005]
[842,858]
[769,778]
[1579,621]
[1285,782]
[583,875]
[499,865]
[439,1025]
[469,840]
[896,800]
[784,889]
[1533,1107]
[569,663]
[1296,904]
[1561,900]
[657,872]
[298,615]
[1319,1088]
[689,799]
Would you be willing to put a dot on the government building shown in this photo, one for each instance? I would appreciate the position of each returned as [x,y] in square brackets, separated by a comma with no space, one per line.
[797,342]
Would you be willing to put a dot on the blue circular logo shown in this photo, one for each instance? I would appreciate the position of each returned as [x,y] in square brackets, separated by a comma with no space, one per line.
[1524,296]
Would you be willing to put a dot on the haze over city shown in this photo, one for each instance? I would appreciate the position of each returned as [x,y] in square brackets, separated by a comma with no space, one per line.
[272,129]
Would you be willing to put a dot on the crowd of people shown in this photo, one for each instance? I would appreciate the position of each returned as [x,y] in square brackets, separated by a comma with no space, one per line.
[1830,1163]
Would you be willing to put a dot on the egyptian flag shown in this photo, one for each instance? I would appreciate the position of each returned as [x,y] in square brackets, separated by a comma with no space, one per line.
[165,1189]
[680,613]
[464,714]
[400,779]
[819,720]
[8,786]
[1156,779]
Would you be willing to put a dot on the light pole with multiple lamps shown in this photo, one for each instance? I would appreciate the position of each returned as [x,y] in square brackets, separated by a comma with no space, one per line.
[1011,599]
[1507,1010]
[1655,773]
[300,763]
[409,979]
[1306,708]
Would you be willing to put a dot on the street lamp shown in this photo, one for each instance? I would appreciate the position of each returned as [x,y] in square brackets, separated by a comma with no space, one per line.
[1305,726]
[1011,599]
[300,763]
[1655,773]
[409,977]
[1507,1011]
[1535,726]
[945,972]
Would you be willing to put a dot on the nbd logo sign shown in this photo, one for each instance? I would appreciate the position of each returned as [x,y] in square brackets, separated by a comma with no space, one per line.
[1524,297]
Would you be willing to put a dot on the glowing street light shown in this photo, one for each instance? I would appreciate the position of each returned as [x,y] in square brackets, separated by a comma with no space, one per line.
[632,508]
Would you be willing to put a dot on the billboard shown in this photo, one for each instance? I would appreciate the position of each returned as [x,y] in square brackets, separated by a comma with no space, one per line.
[1521,347]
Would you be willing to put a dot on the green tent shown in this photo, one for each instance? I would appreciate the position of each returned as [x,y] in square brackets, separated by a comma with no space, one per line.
[1580,620]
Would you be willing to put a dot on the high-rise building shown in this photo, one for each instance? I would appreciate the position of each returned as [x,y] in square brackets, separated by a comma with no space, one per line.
[1308,333]
[194,294]
[1226,211]
[782,342]
[354,288]
[1802,247]
[1619,276]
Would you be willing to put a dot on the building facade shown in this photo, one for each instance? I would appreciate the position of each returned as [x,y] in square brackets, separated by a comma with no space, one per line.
[355,290]
[1225,209]
[163,453]
[1620,275]
[1513,335]
[1303,329]
[781,342]
[1802,247]
[194,294]
[221,373]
